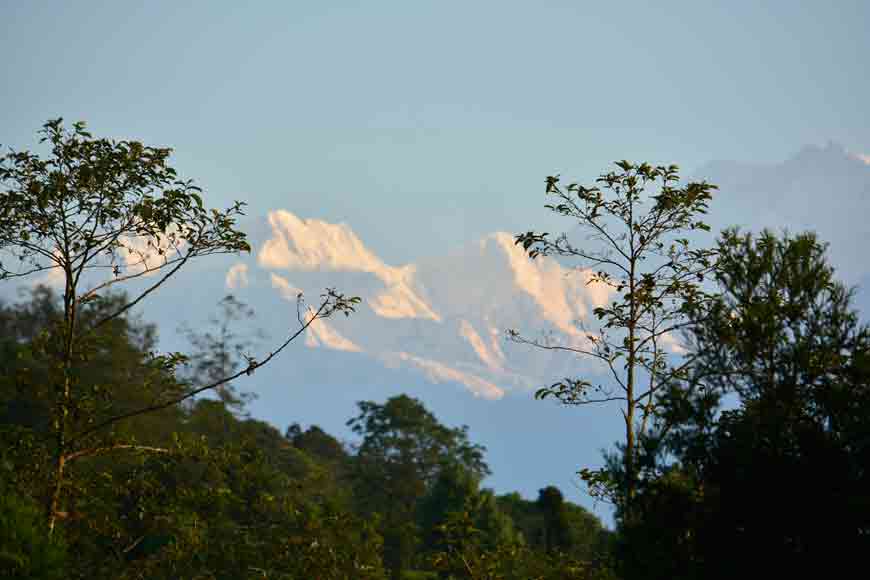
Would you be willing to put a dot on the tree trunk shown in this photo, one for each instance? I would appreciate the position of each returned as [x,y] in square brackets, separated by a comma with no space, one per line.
[63,405]
[56,489]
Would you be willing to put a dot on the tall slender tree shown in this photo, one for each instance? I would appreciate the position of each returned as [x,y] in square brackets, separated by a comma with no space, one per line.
[636,252]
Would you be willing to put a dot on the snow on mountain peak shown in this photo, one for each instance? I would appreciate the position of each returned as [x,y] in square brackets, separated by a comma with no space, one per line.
[562,294]
[442,317]
[321,333]
[310,245]
[438,372]
[399,300]
[493,359]
[298,244]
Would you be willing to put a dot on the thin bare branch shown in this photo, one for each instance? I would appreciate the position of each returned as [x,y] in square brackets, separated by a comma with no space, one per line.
[143,295]
[10,275]
[537,344]
[126,277]
[110,448]
[603,400]
[325,309]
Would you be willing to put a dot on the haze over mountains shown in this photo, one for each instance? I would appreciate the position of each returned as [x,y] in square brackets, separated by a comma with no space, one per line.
[435,327]
[820,188]
[444,318]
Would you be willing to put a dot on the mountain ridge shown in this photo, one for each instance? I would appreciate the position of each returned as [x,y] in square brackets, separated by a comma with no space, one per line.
[444,316]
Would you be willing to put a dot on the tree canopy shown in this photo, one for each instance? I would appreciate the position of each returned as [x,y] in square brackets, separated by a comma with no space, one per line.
[769,444]
[98,213]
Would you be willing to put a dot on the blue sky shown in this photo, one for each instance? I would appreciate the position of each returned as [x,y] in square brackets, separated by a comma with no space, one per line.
[439,118]
[425,125]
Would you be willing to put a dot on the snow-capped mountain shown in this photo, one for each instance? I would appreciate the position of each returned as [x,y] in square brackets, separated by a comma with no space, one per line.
[443,317]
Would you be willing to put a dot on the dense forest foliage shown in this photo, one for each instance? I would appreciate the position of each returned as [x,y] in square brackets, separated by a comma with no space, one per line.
[213,493]
[745,453]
